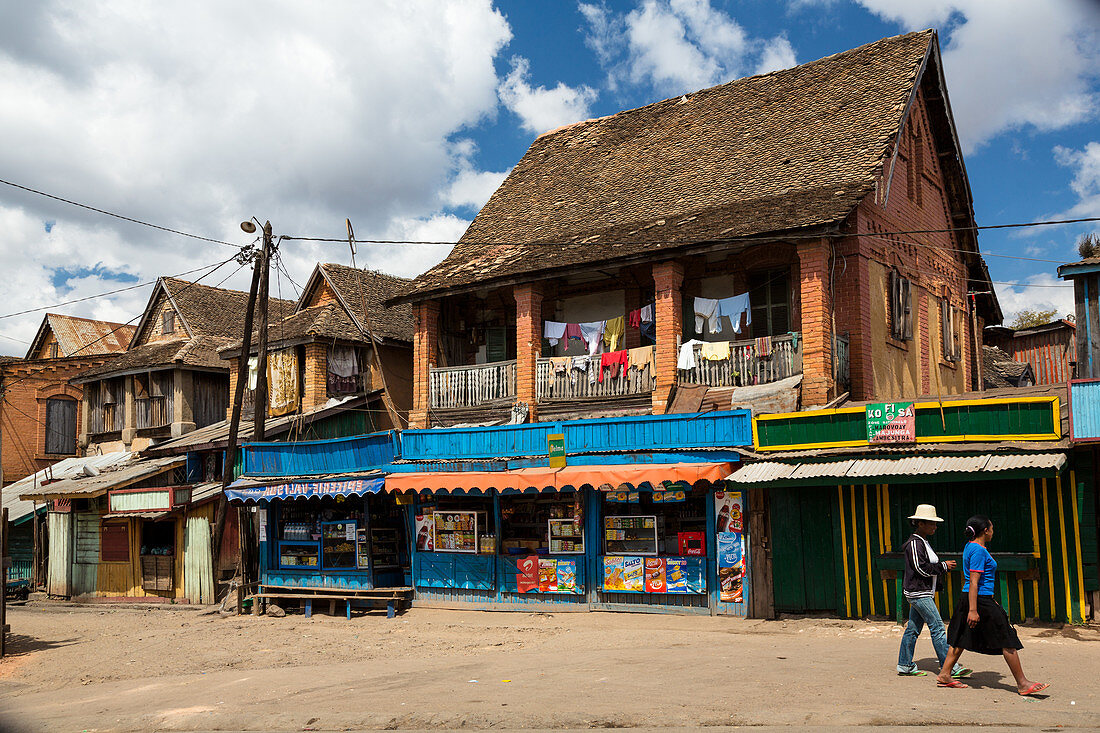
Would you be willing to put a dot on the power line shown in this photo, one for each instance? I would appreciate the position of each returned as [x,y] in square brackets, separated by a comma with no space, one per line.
[101,295]
[117,216]
[767,238]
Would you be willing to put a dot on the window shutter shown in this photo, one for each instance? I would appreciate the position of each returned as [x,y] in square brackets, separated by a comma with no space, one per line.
[907,325]
[61,426]
[114,542]
[496,344]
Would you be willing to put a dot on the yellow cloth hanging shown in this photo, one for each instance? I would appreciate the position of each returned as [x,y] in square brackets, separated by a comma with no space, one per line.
[613,332]
[282,382]
[715,350]
[640,358]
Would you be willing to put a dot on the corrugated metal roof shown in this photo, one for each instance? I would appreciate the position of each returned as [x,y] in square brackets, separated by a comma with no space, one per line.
[855,469]
[64,469]
[202,492]
[121,475]
[137,515]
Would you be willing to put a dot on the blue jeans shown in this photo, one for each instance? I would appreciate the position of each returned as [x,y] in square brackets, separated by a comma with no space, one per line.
[922,611]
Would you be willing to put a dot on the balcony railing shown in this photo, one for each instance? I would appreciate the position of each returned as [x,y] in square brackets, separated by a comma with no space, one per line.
[575,384]
[152,412]
[105,418]
[470,386]
[746,365]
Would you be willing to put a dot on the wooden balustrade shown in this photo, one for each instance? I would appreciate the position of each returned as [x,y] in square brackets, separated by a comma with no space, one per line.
[470,386]
[745,365]
[575,384]
[153,412]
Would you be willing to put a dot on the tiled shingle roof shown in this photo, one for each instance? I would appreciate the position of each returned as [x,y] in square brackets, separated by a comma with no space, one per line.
[787,150]
[395,322]
[209,311]
[201,351]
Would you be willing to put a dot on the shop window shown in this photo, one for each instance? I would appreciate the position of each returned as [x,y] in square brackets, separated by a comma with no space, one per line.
[900,307]
[542,524]
[949,337]
[169,320]
[462,525]
[61,426]
[770,296]
[158,551]
[114,542]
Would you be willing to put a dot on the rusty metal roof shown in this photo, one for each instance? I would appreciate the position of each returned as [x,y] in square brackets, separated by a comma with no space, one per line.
[858,470]
[115,476]
[82,336]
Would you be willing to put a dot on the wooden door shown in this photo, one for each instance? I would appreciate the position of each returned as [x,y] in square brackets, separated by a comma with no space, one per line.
[803,549]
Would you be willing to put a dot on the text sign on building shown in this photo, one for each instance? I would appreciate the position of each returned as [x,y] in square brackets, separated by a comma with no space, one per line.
[555,444]
[891,422]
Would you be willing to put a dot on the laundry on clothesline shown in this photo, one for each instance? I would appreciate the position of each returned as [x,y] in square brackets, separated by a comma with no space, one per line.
[710,311]
[614,328]
[613,360]
[553,331]
[764,347]
[715,351]
[640,358]
[686,359]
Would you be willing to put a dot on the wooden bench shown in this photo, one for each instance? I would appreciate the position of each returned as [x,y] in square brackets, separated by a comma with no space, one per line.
[391,598]
[891,566]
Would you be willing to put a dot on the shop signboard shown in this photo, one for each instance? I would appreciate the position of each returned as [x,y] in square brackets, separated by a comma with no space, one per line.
[633,574]
[425,532]
[261,524]
[669,497]
[730,566]
[613,573]
[527,574]
[625,574]
[676,576]
[555,444]
[623,497]
[728,511]
[891,422]
[548,575]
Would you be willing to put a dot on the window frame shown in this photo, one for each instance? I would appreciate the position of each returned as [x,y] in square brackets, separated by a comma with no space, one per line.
[768,278]
[950,343]
[900,306]
[168,322]
[48,431]
[112,553]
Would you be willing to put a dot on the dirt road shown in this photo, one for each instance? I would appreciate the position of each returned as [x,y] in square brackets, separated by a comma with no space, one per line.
[92,668]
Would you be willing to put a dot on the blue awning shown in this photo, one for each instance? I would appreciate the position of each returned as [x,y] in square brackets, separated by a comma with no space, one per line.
[240,490]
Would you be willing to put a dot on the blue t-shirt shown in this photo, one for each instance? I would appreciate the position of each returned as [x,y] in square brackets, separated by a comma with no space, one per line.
[976,557]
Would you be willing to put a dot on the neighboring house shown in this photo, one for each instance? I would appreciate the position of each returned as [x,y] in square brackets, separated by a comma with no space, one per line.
[340,341]
[1000,370]
[755,187]
[1049,349]
[40,409]
[170,380]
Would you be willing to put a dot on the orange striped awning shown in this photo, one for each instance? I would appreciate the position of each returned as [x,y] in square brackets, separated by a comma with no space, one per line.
[608,478]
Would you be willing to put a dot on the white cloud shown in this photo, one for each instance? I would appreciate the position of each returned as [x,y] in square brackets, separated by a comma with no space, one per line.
[473,188]
[1048,293]
[1011,63]
[199,115]
[1086,178]
[538,108]
[678,46]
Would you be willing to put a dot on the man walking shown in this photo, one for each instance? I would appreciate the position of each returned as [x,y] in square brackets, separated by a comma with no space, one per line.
[922,571]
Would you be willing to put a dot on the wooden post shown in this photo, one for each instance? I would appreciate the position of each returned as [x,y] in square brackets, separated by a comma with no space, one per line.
[4,562]
[261,328]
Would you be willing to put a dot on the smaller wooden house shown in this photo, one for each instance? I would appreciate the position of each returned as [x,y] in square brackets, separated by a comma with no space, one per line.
[1048,349]
[134,529]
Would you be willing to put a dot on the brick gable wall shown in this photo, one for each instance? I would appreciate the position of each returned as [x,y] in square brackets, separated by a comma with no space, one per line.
[153,331]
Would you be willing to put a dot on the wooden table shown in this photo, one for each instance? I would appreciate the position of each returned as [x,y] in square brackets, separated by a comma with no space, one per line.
[390,597]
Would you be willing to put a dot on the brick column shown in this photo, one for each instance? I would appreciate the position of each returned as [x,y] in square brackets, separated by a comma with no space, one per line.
[667,279]
[232,387]
[425,356]
[817,349]
[315,382]
[528,343]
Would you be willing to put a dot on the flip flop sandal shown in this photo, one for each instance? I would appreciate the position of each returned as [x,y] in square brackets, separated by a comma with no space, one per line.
[964,672]
[954,683]
[914,673]
[1037,687]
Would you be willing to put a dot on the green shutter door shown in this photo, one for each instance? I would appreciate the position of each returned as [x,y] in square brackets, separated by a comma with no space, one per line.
[803,549]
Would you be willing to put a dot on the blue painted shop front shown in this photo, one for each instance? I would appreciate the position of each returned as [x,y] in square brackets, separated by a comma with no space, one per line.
[640,526]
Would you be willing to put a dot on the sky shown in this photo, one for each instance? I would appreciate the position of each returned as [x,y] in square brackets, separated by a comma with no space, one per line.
[404,116]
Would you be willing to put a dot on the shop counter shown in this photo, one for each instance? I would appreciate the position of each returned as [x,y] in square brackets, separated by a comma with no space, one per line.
[654,575]
[558,574]
[454,570]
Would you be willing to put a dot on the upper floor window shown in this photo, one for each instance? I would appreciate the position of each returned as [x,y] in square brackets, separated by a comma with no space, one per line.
[900,307]
[169,322]
[61,426]
[952,348]
[54,351]
[770,296]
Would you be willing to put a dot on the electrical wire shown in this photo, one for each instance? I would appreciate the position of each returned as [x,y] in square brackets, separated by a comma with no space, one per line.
[117,216]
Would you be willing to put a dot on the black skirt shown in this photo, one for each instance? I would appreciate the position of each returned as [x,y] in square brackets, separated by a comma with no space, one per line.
[992,635]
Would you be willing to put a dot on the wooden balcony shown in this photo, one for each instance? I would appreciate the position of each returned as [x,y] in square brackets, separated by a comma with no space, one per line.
[105,418]
[575,384]
[746,366]
[470,386]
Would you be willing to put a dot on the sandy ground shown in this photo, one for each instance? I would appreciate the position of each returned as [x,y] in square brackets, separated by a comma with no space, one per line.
[91,668]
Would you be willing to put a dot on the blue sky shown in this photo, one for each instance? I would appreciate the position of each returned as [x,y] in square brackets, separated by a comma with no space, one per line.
[404,116]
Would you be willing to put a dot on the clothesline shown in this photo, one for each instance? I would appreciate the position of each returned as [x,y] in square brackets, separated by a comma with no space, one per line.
[609,332]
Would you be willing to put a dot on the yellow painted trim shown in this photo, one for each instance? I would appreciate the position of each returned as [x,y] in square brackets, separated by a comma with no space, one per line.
[882,544]
[1077,545]
[1050,560]
[867,538]
[950,594]
[889,522]
[1034,540]
[1065,553]
[844,551]
[1056,434]
[1020,591]
[855,554]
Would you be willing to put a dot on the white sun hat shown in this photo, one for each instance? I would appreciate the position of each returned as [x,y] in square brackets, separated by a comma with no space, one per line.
[927,512]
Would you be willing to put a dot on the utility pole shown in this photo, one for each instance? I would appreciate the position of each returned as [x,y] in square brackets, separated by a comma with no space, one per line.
[238,399]
[261,366]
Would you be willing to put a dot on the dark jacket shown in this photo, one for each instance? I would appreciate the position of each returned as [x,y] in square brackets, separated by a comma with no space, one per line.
[920,571]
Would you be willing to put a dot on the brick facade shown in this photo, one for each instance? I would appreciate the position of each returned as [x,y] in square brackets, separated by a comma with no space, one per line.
[528,298]
[817,332]
[425,356]
[315,380]
[668,277]
[26,386]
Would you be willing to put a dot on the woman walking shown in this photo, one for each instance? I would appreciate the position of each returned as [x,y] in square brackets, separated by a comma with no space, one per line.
[980,624]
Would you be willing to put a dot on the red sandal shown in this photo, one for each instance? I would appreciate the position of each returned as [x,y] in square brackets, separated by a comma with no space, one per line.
[953,683]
